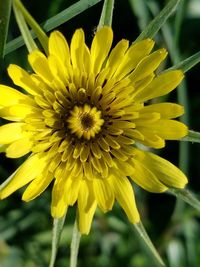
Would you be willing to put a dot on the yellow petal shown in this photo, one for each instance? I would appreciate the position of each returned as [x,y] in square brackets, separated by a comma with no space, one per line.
[10,132]
[161,85]
[169,129]
[10,96]
[31,168]
[85,214]
[58,47]
[17,112]
[101,45]
[59,205]
[39,64]
[151,139]
[116,56]
[87,59]
[103,194]
[58,70]
[85,219]
[165,171]
[19,148]
[73,190]
[166,110]
[37,186]
[145,178]
[133,56]
[148,65]
[21,78]
[77,49]
[125,196]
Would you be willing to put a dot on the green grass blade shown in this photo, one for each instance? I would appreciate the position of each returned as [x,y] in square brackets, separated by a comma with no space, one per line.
[187,63]
[30,44]
[106,14]
[5,7]
[42,37]
[179,18]
[187,196]
[148,245]
[158,21]
[57,230]
[141,12]
[68,13]
[54,22]
[193,137]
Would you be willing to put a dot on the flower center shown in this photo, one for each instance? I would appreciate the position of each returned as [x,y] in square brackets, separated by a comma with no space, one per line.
[85,121]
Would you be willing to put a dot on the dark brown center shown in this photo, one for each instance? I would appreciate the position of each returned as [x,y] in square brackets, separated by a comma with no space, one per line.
[87,121]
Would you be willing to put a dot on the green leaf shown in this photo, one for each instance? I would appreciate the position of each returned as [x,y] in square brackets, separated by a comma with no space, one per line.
[54,21]
[158,21]
[30,44]
[141,12]
[186,196]
[192,137]
[147,244]
[106,14]
[42,37]
[4,21]
[57,230]
[187,63]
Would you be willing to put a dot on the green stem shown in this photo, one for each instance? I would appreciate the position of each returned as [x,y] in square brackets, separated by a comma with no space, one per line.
[57,230]
[4,21]
[106,14]
[76,236]
[148,245]
[34,25]
[186,196]
[30,44]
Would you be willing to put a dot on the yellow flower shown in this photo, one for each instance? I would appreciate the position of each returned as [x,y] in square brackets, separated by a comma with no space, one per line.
[83,113]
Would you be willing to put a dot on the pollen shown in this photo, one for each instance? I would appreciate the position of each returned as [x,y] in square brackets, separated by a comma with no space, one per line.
[85,121]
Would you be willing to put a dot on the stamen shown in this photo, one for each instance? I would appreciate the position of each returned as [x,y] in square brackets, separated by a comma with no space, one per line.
[85,121]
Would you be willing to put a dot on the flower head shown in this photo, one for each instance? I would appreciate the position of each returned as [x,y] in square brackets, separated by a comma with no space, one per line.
[84,111]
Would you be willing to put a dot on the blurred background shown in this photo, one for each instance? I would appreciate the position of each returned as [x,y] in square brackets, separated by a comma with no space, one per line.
[174,227]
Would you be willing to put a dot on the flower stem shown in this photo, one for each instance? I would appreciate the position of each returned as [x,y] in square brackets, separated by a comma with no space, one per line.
[34,25]
[76,236]
[30,44]
[4,21]
[57,230]
[106,14]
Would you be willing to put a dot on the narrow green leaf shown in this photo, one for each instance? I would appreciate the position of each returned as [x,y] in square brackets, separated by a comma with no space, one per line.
[54,22]
[186,196]
[158,21]
[57,230]
[76,236]
[42,37]
[106,14]
[147,244]
[187,63]
[30,44]
[68,13]
[5,7]
[179,18]
[140,10]
[192,137]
